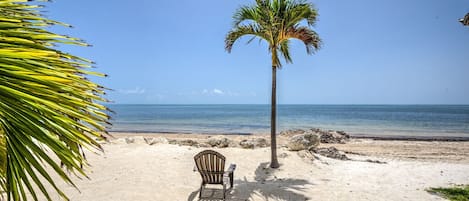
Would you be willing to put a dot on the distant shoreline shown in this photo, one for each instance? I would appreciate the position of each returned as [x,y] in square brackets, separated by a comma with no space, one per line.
[355,136]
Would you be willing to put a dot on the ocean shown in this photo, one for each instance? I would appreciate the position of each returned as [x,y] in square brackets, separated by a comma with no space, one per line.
[374,120]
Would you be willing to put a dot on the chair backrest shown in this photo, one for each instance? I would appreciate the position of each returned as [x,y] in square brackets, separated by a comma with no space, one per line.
[211,166]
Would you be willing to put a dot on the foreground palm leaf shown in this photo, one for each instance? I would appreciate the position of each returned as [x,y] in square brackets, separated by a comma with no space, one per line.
[48,108]
[276,22]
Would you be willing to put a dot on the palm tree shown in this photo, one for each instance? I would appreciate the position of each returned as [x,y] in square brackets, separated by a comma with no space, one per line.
[276,22]
[48,107]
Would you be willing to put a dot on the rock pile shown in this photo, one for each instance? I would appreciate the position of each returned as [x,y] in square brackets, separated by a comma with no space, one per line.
[219,141]
[185,142]
[253,143]
[331,152]
[329,136]
[305,141]
[290,133]
[152,141]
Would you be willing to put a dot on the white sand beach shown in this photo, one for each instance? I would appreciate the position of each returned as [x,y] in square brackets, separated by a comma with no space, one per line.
[141,172]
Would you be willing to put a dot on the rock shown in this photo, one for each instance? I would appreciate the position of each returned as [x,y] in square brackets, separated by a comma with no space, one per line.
[149,140]
[134,139]
[303,142]
[331,152]
[129,140]
[329,136]
[219,141]
[333,136]
[289,133]
[253,143]
[162,140]
[152,141]
[186,142]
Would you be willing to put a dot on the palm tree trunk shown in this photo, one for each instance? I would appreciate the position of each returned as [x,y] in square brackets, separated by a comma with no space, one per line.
[273,120]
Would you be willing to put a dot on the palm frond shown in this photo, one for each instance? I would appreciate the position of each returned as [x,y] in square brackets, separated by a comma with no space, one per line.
[309,37]
[245,13]
[243,30]
[48,106]
[284,49]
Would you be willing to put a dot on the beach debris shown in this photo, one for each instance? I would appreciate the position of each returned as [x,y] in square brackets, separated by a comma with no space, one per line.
[152,141]
[375,161]
[219,141]
[330,152]
[253,143]
[303,142]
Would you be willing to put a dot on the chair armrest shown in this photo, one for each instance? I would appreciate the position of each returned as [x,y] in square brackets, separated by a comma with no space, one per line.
[231,168]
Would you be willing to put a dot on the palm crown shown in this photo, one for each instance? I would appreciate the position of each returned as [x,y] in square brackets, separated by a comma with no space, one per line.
[276,22]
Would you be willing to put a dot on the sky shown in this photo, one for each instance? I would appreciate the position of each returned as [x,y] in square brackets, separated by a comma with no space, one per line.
[373,52]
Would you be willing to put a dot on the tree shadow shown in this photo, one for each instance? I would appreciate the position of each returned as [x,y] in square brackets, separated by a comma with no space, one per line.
[209,194]
[265,185]
[269,187]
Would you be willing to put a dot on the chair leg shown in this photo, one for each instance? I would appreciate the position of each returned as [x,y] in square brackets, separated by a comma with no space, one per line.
[200,191]
[224,191]
[231,180]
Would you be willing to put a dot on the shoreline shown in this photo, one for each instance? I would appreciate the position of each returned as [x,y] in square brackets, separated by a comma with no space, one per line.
[353,136]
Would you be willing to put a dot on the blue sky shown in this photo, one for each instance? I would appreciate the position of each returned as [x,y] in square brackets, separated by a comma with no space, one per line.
[374,52]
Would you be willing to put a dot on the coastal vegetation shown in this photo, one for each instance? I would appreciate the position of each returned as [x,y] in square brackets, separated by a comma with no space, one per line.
[49,109]
[457,193]
[276,22]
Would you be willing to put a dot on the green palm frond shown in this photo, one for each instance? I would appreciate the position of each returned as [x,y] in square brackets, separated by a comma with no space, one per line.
[48,108]
[243,30]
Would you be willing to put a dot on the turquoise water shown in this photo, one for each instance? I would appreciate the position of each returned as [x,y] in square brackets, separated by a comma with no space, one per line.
[407,120]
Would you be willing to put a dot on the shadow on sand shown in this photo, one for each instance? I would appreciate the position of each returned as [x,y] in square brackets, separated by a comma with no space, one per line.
[265,186]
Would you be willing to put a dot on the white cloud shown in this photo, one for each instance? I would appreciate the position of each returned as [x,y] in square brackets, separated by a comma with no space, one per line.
[136,90]
[218,91]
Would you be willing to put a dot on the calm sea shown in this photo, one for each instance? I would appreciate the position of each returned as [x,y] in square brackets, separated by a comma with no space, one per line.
[405,120]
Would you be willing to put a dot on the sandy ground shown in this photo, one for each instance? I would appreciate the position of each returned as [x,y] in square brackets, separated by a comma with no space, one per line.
[140,172]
